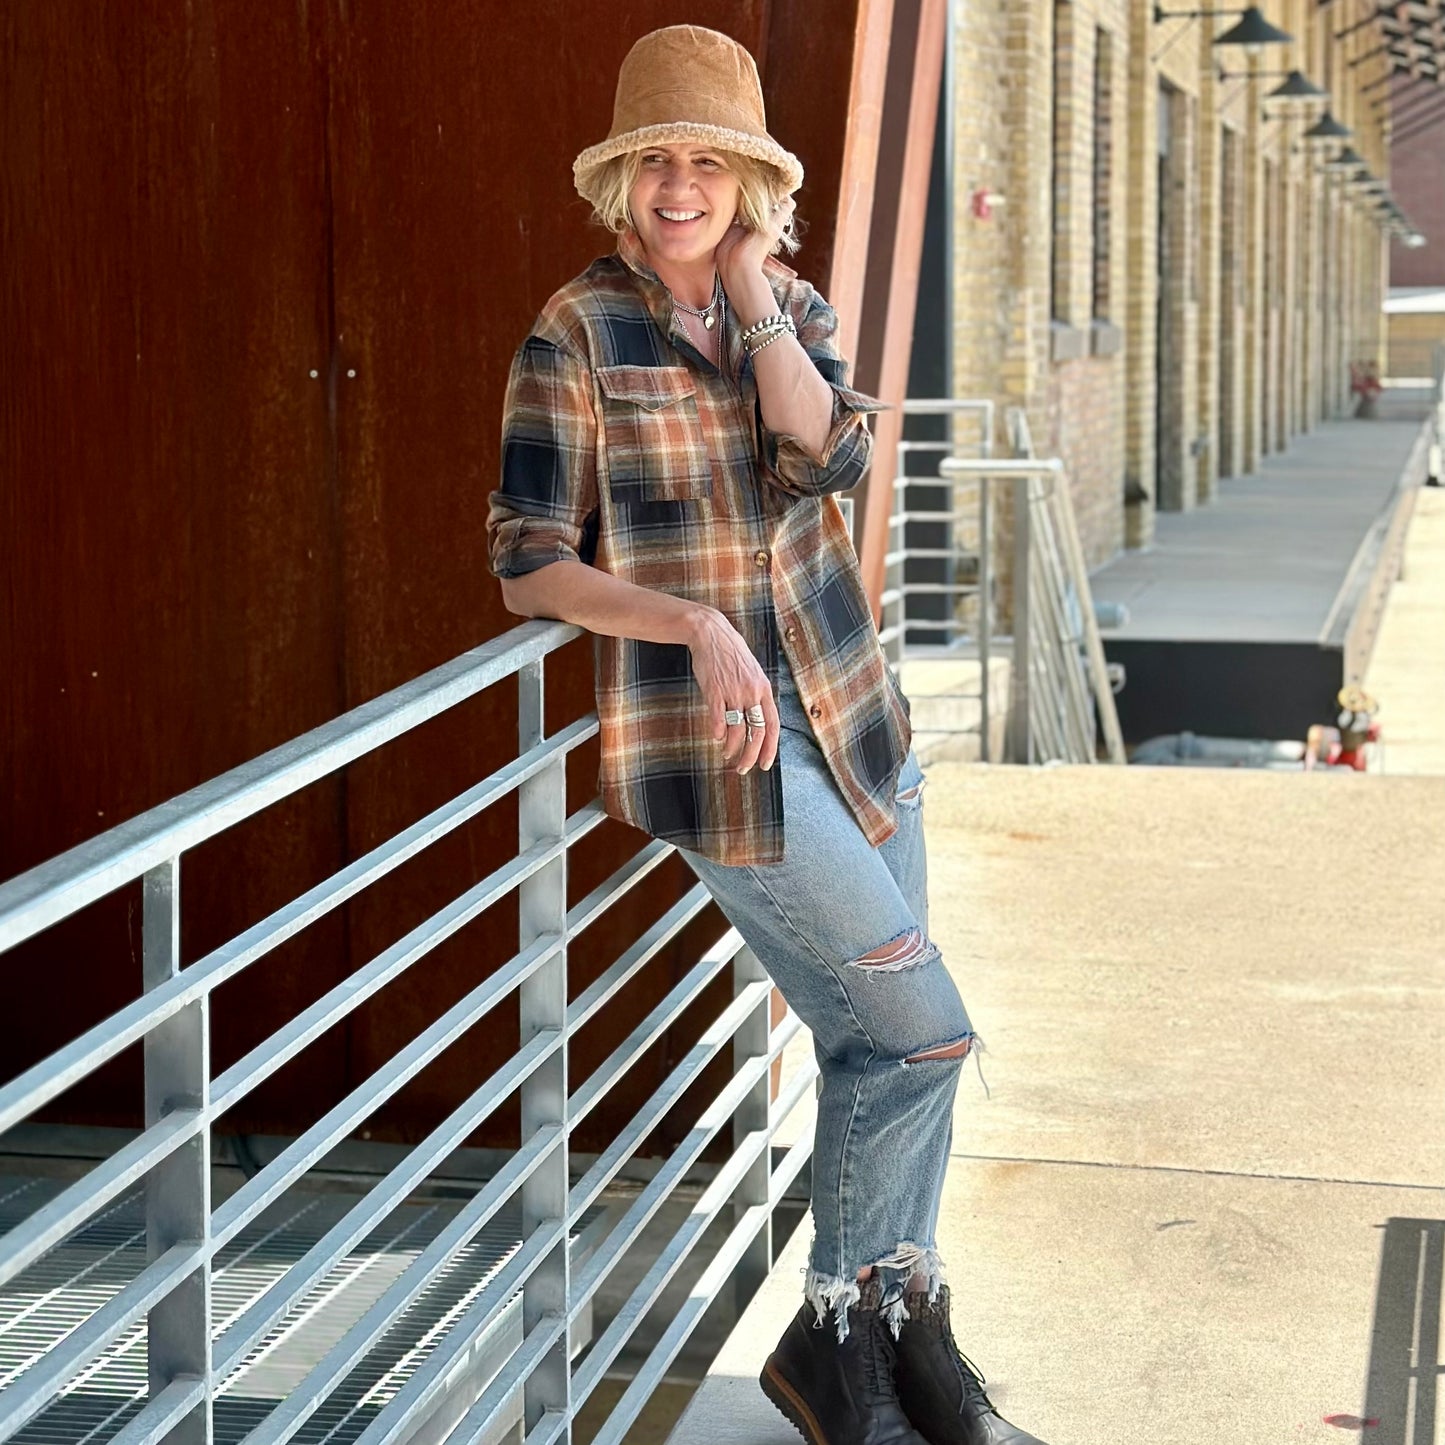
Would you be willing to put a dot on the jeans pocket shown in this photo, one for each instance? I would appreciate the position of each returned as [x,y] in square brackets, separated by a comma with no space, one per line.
[911,781]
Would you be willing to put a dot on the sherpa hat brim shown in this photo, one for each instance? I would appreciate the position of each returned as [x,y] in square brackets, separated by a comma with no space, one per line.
[682,85]
[586,167]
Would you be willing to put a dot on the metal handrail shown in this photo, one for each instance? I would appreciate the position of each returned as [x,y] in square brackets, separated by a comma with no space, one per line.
[183,1101]
[896,623]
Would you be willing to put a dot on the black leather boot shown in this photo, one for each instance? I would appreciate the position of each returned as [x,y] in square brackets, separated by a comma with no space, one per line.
[938,1386]
[839,1393]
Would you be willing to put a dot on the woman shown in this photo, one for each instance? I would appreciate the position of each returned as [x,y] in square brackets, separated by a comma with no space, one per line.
[675,426]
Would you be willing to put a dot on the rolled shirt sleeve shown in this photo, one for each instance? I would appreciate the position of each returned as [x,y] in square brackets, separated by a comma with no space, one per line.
[787,462]
[546,507]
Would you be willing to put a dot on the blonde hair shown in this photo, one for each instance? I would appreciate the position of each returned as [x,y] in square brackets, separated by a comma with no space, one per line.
[758,192]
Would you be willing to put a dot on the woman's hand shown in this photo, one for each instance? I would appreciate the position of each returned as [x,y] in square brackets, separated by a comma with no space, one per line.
[740,255]
[730,677]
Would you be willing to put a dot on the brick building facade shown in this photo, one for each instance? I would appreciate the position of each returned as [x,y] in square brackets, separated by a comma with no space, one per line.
[1149,257]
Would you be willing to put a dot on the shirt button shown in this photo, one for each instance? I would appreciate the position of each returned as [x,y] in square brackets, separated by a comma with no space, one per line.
[791,635]
[815,711]
[761,558]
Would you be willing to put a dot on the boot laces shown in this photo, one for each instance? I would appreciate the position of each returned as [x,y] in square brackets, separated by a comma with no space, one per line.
[879,1354]
[969,1375]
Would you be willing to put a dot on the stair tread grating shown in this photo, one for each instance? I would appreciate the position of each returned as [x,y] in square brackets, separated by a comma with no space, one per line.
[62,1289]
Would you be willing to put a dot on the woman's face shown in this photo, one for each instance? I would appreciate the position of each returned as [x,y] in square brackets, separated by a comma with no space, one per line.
[682,202]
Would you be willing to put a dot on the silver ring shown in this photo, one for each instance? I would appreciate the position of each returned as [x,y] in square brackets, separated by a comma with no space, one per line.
[752,732]
[733,717]
[755,715]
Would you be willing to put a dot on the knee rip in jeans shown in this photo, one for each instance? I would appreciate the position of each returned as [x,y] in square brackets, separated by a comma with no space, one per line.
[958,1049]
[910,797]
[908,950]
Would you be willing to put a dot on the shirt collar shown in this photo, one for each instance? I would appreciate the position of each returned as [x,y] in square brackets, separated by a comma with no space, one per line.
[658,299]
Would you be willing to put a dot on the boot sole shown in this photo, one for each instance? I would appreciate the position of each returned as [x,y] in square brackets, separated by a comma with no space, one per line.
[791,1405]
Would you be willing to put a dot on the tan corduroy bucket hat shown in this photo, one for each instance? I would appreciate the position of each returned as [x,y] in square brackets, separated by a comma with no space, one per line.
[687,85]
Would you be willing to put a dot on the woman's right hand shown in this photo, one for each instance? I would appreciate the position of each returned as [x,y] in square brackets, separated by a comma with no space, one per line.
[731,677]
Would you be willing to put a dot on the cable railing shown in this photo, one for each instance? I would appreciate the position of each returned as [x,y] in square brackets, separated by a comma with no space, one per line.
[194,1354]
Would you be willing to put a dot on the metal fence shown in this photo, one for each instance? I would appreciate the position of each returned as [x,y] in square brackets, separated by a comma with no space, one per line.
[197,1352]
[1059,685]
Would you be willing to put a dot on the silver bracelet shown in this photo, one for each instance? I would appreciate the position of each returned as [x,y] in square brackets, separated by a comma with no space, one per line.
[768,340]
[778,321]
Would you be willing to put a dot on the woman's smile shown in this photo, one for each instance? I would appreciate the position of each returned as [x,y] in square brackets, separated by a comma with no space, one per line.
[682,203]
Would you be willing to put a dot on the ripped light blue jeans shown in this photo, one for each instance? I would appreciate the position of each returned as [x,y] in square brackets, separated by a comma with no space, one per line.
[842,928]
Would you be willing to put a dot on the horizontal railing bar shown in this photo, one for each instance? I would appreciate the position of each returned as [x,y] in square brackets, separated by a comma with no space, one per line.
[50,1224]
[36,1388]
[699,1298]
[589,1094]
[605,894]
[625,1233]
[51,1077]
[371,1209]
[298,1156]
[689,1068]
[791,1165]
[596,995]
[937,554]
[398,1417]
[935,624]
[921,589]
[100,865]
[305,1398]
[549,1429]
[1000,468]
[473,1427]
[718,1194]
[583,821]
[937,406]
[371,978]
[162,1413]
[899,518]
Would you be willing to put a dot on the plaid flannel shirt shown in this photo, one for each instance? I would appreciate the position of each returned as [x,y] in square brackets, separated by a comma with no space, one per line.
[624,448]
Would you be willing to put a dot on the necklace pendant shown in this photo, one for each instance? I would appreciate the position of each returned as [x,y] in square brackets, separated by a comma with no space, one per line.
[709,322]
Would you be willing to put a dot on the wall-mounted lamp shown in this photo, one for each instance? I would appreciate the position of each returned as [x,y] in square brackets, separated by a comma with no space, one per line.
[1348,159]
[1327,128]
[1251,32]
[1298,86]
[1413,239]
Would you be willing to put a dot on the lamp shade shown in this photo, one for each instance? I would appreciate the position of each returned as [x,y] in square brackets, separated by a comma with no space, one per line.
[1297,86]
[1348,159]
[1328,128]
[1251,31]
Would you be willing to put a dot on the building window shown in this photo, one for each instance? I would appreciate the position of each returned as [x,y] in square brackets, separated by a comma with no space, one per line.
[1103,169]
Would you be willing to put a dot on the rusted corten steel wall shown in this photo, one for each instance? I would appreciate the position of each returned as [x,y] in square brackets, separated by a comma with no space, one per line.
[265,270]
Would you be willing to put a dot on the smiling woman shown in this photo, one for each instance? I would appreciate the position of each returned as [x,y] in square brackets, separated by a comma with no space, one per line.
[676,425]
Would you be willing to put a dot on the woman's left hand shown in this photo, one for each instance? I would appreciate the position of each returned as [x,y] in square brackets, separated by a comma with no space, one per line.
[741,252]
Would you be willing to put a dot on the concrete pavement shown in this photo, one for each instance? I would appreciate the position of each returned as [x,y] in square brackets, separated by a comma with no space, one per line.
[1207,1199]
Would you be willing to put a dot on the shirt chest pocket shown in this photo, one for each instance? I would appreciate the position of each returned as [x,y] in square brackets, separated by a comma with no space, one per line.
[654,446]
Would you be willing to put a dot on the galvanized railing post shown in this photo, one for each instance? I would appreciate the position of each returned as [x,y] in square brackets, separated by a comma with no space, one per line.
[542,908]
[1020,748]
[750,1042]
[178,1191]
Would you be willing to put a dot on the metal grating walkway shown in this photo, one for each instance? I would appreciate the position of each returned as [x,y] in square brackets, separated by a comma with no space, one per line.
[59,1293]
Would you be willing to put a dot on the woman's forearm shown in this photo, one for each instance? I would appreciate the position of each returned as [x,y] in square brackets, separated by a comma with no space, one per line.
[795,399]
[574,592]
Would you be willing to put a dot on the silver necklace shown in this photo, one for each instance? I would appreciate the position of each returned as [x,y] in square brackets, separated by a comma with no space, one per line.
[706,314]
